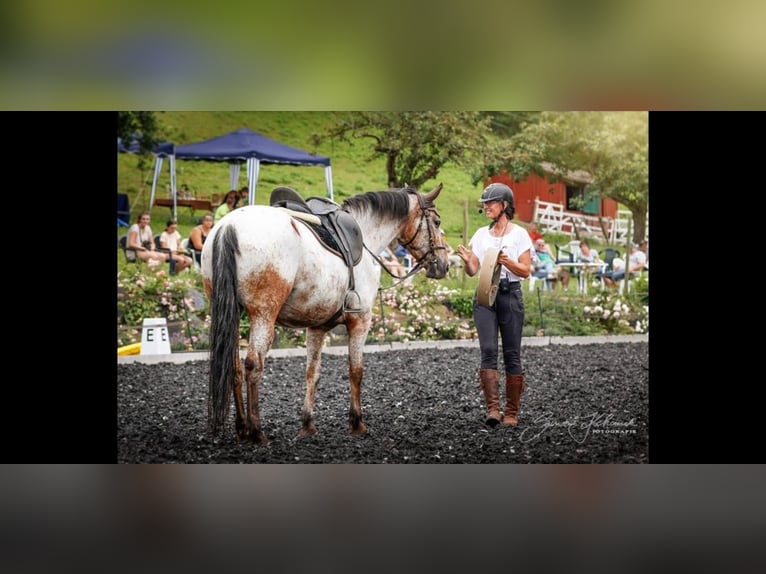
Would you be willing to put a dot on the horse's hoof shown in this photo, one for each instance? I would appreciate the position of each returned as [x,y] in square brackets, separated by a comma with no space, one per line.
[307,431]
[361,428]
[243,432]
[259,438]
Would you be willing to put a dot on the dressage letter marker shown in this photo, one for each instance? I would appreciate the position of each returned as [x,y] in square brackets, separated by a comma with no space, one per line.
[154,337]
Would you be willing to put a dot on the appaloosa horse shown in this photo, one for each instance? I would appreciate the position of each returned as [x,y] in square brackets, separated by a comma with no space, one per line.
[269,263]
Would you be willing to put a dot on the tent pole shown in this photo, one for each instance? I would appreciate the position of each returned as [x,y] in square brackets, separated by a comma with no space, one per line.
[157,169]
[234,175]
[328,181]
[173,189]
[253,178]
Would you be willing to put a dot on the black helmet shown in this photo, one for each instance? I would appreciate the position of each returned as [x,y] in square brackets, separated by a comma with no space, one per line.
[497,192]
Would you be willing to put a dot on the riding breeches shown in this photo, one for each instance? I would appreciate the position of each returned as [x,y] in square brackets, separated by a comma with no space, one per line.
[507,316]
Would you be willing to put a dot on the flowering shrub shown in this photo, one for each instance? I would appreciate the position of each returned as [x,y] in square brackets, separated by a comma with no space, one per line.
[423,309]
[616,314]
[145,291]
[418,312]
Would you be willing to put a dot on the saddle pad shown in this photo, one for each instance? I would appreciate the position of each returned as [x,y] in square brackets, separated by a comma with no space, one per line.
[300,215]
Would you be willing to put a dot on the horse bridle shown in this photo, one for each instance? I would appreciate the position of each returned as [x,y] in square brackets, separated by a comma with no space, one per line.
[425,260]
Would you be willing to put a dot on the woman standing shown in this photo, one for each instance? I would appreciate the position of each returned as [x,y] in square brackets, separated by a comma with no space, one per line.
[506,314]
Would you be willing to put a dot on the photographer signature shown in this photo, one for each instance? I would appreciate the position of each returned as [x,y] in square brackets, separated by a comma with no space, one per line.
[579,428]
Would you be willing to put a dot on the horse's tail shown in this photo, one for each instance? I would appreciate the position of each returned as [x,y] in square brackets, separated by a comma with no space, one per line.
[225,312]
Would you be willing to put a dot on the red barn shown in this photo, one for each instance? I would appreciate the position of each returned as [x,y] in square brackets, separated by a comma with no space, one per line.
[571,192]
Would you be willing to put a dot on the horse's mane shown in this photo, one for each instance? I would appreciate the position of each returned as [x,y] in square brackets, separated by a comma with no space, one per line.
[390,203]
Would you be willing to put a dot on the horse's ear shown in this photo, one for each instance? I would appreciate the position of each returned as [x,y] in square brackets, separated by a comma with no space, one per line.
[435,193]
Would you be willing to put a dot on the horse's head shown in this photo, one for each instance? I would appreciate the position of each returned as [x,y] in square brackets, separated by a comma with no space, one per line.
[421,234]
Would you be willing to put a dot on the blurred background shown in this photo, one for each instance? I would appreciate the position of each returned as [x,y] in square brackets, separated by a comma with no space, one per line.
[550,54]
[383,518]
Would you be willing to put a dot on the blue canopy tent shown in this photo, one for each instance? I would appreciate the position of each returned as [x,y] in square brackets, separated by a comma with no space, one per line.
[245,145]
[162,150]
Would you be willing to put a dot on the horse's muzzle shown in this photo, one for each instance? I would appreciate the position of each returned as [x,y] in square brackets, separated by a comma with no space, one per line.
[437,268]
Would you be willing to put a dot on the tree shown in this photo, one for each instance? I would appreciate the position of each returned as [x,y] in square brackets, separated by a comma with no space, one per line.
[141,126]
[613,147]
[416,145]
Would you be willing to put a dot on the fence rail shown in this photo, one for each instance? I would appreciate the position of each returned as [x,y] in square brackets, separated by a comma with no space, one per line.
[557,220]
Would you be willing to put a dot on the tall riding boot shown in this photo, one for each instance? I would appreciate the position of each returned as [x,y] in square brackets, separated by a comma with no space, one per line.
[514,386]
[489,380]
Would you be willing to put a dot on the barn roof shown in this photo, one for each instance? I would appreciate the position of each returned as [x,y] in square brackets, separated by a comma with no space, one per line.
[576,176]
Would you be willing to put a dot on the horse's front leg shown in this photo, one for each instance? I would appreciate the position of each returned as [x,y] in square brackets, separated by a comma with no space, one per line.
[314,341]
[358,326]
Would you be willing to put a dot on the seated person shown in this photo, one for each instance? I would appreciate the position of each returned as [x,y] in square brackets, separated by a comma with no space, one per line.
[403,255]
[244,197]
[170,239]
[587,255]
[636,262]
[644,246]
[543,261]
[455,261]
[392,263]
[534,234]
[197,236]
[230,203]
[141,240]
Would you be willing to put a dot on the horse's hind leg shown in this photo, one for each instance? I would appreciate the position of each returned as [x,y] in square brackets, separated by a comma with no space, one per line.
[314,340]
[240,419]
[261,337]
[357,326]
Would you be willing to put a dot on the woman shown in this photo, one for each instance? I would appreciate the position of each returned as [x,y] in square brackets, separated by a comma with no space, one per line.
[170,240]
[229,204]
[141,241]
[507,312]
[198,235]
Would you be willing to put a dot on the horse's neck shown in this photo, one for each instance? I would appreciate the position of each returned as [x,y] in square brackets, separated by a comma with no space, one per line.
[377,235]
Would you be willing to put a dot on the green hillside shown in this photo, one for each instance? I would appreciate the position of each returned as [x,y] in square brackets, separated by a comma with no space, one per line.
[353,169]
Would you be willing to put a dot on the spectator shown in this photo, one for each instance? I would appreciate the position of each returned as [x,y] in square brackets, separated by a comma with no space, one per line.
[392,263]
[244,197]
[141,240]
[228,204]
[170,239]
[644,246]
[403,255]
[534,234]
[544,263]
[198,234]
[455,260]
[587,255]
[636,262]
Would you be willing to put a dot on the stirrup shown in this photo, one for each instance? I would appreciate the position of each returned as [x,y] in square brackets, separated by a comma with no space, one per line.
[348,306]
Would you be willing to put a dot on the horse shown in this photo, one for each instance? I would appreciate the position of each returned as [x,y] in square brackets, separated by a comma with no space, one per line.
[265,261]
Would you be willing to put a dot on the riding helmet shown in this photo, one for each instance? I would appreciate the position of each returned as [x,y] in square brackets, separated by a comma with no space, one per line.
[497,192]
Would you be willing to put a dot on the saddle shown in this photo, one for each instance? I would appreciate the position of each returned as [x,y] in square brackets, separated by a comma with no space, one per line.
[337,229]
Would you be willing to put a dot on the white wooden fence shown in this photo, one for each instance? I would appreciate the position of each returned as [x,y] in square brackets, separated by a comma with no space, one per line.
[554,219]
